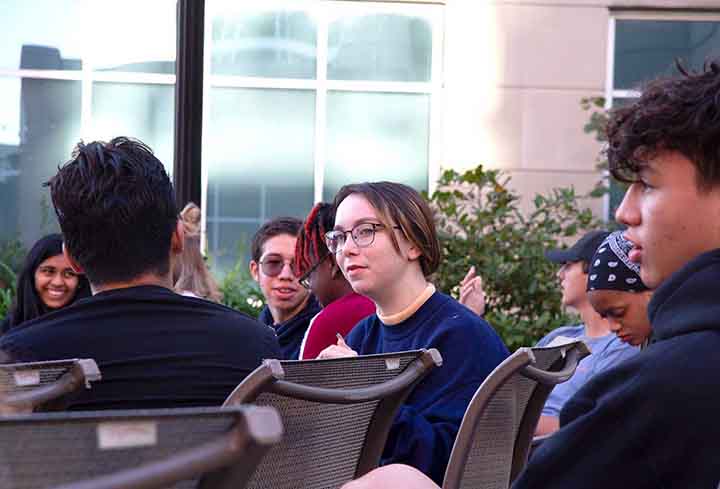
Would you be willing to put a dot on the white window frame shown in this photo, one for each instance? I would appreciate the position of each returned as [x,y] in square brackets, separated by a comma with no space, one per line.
[321,11]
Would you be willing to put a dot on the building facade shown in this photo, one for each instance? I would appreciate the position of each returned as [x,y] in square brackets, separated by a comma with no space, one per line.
[303,96]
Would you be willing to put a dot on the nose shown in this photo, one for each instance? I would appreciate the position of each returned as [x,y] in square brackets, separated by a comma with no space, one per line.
[57,280]
[287,271]
[614,325]
[349,248]
[560,274]
[628,213]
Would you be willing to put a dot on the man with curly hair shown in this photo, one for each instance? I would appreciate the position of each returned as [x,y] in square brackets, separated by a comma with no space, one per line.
[156,349]
[652,421]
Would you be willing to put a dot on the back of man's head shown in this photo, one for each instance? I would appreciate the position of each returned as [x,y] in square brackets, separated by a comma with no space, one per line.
[116,207]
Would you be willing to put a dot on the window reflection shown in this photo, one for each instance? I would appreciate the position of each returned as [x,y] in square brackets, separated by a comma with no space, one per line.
[271,44]
[38,130]
[380,47]
[376,136]
[259,150]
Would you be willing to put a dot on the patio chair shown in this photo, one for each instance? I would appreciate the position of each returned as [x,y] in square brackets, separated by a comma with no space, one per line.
[26,387]
[337,414]
[492,444]
[203,448]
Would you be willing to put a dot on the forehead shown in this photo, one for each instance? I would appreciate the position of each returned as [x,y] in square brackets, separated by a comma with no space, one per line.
[604,300]
[57,261]
[282,244]
[354,208]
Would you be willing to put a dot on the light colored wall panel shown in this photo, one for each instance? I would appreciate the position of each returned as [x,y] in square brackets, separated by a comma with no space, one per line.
[529,184]
[552,46]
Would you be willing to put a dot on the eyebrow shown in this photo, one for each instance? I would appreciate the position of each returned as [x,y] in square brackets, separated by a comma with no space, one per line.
[362,220]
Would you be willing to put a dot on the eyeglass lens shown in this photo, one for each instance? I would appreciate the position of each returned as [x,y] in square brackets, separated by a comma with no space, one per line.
[272,267]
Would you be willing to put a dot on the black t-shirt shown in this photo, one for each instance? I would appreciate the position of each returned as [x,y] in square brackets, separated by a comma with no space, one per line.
[155,348]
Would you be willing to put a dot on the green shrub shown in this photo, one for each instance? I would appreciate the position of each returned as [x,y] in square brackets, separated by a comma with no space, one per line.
[240,291]
[481,224]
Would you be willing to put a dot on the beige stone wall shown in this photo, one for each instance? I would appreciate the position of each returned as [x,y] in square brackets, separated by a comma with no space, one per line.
[515,71]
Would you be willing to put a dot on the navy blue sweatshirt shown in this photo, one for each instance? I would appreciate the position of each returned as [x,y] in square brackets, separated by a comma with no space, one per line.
[291,332]
[424,431]
[654,420]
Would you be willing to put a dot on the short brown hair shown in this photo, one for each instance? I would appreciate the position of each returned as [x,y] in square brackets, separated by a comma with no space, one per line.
[275,227]
[398,204]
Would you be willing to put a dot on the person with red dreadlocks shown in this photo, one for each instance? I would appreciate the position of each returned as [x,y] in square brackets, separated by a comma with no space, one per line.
[318,271]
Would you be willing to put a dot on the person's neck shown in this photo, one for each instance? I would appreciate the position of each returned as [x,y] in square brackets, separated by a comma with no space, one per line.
[144,279]
[282,315]
[595,325]
[401,294]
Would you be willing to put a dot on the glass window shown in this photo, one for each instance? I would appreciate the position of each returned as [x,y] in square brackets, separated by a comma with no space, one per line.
[41,35]
[141,111]
[380,47]
[258,150]
[376,136]
[151,46]
[275,116]
[39,126]
[645,49]
[263,43]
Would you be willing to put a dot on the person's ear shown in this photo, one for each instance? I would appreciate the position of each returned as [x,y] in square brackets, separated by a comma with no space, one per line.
[73,263]
[177,240]
[254,270]
[413,253]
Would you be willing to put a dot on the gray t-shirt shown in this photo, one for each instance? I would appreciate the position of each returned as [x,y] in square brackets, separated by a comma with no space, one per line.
[606,352]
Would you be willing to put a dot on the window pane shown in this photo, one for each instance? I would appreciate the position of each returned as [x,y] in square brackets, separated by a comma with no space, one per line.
[380,47]
[258,149]
[39,126]
[646,49]
[145,112]
[41,35]
[263,43]
[376,136]
[151,46]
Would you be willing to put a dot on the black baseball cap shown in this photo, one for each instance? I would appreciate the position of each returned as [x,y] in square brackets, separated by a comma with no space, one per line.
[583,250]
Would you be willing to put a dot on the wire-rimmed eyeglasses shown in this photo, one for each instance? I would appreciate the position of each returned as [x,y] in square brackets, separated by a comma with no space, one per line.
[362,234]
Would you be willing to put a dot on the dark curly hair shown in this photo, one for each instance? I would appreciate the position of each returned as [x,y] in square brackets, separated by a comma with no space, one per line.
[673,114]
[116,208]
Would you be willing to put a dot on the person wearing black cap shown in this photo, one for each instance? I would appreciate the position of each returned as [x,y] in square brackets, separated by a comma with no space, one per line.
[616,291]
[607,350]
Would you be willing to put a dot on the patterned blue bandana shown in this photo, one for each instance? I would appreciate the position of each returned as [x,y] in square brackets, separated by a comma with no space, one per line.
[611,269]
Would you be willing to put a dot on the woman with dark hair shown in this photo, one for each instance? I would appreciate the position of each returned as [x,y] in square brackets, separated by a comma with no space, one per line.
[384,241]
[46,282]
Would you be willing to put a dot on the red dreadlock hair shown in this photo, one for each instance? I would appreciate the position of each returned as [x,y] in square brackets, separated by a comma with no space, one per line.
[310,247]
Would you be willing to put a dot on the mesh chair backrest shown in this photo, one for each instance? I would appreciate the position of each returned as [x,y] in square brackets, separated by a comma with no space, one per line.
[485,454]
[45,450]
[25,378]
[323,442]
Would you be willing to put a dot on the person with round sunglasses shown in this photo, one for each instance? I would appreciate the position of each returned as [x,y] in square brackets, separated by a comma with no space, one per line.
[386,245]
[45,283]
[319,272]
[289,306]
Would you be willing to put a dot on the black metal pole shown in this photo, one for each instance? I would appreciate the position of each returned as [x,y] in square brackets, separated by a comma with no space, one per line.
[187,170]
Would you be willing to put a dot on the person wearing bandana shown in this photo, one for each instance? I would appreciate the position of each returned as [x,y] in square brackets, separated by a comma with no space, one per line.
[617,293]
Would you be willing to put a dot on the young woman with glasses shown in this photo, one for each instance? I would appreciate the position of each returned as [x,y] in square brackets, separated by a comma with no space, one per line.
[289,307]
[319,272]
[385,243]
